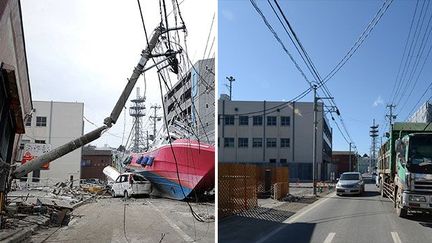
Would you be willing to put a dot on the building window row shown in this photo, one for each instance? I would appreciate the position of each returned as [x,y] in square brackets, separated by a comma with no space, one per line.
[257,120]
[256,142]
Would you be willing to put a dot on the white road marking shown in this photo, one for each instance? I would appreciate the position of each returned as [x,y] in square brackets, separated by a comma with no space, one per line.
[329,237]
[292,219]
[395,237]
[185,237]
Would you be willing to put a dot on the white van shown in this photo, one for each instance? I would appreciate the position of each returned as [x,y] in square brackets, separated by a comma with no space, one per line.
[129,184]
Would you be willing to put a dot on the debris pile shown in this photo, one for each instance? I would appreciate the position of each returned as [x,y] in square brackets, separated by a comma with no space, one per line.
[46,206]
[291,198]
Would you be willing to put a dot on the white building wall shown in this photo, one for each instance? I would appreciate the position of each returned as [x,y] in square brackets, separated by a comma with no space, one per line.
[300,133]
[64,123]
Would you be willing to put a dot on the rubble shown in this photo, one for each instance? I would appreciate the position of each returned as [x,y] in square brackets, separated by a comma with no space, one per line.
[291,198]
[43,206]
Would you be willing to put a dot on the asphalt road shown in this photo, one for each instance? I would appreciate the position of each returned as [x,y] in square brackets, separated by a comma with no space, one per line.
[335,219]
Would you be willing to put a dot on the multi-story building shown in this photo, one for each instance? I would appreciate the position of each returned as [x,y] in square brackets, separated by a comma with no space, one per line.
[423,114]
[192,99]
[274,132]
[94,160]
[56,123]
[15,93]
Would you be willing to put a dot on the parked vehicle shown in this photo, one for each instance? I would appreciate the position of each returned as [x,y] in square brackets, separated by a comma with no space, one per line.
[350,183]
[130,184]
[405,167]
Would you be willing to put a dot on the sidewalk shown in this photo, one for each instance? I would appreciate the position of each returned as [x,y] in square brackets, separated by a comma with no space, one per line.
[256,223]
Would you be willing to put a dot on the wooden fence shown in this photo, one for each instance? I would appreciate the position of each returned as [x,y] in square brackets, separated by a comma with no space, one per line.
[240,184]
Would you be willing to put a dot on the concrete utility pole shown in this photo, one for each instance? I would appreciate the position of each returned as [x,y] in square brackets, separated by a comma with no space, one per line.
[230,80]
[108,122]
[155,118]
[390,116]
[315,128]
[314,152]
[350,157]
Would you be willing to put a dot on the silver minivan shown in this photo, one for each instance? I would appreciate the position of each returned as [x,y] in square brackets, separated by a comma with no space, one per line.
[130,184]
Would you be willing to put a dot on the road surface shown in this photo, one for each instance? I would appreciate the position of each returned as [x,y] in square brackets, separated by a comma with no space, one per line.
[366,218]
[335,219]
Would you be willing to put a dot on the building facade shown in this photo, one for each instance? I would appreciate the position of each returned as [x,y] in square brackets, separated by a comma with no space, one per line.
[15,93]
[93,161]
[192,99]
[274,132]
[423,114]
[55,123]
[342,161]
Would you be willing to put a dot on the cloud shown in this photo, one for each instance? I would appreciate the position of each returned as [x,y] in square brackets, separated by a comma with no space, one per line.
[378,101]
[228,15]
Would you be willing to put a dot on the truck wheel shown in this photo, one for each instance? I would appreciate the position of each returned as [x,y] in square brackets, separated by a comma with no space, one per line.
[400,210]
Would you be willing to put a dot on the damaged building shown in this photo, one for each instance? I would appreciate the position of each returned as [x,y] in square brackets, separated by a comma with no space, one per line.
[15,93]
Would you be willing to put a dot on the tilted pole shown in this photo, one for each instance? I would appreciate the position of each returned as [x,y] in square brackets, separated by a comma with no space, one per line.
[138,70]
[109,121]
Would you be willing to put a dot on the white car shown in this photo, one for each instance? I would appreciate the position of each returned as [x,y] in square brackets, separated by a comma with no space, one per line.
[130,184]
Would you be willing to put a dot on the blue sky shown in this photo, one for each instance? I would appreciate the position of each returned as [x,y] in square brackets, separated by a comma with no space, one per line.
[327,29]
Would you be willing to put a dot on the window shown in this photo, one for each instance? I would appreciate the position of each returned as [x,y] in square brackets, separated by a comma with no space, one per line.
[285,142]
[257,142]
[229,142]
[273,161]
[283,161]
[244,120]
[85,163]
[28,122]
[41,121]
[257,120]
[229,120]
[271,142]
[40,141]
[243,142]
[271,121]
[285,121]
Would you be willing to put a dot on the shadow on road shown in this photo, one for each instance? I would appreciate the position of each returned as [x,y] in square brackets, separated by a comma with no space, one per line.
[424,219]
[259,223]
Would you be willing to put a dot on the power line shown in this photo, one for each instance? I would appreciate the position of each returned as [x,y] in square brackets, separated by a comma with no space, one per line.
[360,40]
[276,36]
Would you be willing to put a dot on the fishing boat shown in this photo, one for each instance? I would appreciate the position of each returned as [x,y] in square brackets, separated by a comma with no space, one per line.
[177,169]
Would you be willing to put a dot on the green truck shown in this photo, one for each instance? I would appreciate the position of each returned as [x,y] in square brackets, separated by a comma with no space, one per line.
[404,167]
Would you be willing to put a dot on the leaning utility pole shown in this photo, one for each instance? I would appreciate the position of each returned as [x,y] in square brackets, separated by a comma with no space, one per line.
[108,122]
[230,80]
[155,118]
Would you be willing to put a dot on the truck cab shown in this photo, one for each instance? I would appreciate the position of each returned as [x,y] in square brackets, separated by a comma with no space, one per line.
[414,171]
[130,184]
